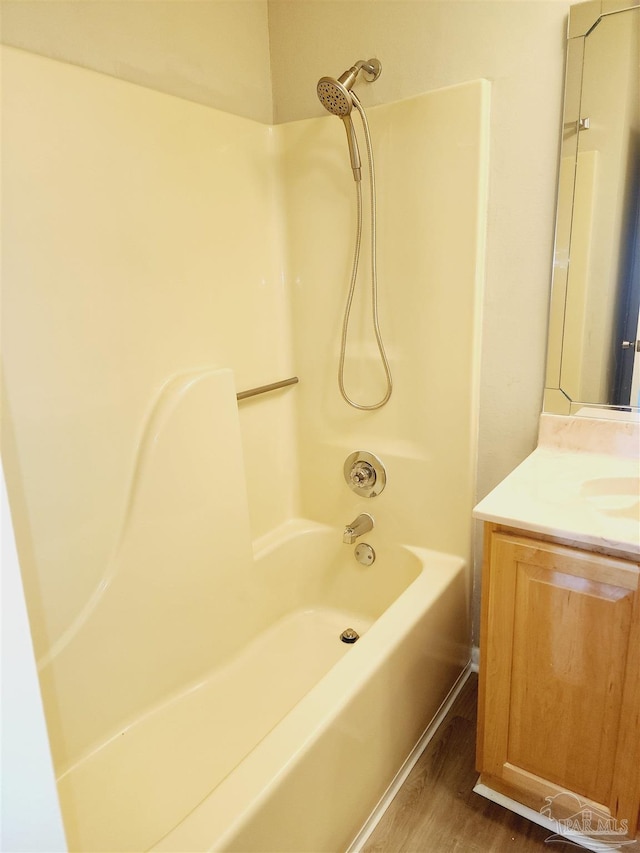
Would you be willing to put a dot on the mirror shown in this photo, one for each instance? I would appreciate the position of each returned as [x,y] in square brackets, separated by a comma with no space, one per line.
[593,359]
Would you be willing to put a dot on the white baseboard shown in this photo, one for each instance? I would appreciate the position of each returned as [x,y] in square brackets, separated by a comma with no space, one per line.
[401,776]
[598,846]
[475,659]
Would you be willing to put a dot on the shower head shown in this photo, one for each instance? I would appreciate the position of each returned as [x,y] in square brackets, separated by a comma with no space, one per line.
[335,95]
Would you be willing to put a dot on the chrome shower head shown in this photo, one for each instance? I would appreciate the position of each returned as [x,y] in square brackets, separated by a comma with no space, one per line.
[335,95]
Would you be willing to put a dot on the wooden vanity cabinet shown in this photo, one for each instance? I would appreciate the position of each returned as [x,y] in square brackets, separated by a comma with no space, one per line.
[559,690]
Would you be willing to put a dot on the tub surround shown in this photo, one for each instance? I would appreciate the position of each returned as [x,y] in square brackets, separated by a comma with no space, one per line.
[431,155]
[141,241]
[192,245]
[147,720]
[144,291]
[186,520]
[580,484]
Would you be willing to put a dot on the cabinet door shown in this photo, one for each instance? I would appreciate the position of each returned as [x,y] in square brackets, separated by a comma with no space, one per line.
[560,681]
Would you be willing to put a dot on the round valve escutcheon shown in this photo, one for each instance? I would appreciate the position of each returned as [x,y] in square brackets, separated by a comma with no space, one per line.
[365,474]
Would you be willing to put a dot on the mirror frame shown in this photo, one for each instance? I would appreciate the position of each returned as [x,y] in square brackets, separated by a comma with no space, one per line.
[582,19]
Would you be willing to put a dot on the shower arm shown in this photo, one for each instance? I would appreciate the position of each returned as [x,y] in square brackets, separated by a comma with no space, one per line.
[371,68]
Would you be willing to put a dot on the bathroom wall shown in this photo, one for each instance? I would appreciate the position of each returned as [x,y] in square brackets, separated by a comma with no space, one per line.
[141,240]
[213,52]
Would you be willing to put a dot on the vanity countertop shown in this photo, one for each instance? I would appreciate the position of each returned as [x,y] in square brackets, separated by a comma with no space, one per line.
[582,483]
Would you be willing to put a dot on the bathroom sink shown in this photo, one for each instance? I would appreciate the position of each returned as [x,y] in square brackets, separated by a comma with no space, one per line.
[614,495]
[580,484]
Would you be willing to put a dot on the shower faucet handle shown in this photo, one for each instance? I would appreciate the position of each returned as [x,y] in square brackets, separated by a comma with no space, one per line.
[362,475]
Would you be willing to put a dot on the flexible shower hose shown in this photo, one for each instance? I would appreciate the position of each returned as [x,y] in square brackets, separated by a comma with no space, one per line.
[374,277]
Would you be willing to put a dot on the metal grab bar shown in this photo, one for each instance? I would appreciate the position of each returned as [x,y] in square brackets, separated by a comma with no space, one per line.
[262,389]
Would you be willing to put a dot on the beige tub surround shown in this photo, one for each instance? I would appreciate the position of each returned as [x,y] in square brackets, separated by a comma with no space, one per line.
[142,240]
[582,483]
[186,519]
[182,549]
[431,155]
[193,648]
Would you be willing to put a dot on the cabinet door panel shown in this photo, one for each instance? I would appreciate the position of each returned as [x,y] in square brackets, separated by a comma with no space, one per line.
[559,673]
[567,677]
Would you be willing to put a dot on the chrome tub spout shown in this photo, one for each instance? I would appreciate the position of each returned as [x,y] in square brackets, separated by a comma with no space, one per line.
[362,524]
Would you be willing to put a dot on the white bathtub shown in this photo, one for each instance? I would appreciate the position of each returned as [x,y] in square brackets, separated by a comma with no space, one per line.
[290,742]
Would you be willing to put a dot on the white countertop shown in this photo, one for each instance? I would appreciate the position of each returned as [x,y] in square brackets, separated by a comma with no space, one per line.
[588,497]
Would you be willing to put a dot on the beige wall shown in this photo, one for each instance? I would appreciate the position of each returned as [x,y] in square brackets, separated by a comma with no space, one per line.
[214,52]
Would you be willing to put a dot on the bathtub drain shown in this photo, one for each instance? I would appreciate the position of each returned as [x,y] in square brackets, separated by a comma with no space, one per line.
[349,636]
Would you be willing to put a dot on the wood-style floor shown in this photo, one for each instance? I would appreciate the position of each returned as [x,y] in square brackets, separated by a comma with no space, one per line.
[436,810]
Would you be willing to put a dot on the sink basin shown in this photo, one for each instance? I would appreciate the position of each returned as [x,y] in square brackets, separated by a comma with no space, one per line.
[614,495]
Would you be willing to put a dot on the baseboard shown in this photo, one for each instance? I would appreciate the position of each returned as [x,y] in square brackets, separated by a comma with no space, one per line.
[401,776]
[569,837]
[475,659]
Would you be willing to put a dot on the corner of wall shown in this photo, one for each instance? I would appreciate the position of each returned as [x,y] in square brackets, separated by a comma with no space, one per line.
[272,105]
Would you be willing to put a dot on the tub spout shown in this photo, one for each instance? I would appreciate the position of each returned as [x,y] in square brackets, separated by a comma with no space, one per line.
[362,524]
